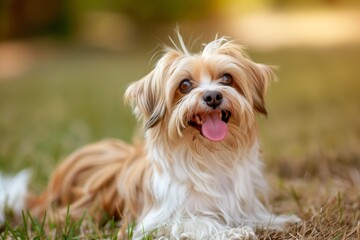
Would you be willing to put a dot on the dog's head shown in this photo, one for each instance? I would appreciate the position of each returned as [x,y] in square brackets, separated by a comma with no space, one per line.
[211,96]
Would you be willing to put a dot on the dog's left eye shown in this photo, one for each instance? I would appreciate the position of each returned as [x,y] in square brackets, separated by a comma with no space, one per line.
[226,79]
[185,86]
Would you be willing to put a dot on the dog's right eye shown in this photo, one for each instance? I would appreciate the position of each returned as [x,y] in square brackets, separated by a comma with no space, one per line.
[185,86]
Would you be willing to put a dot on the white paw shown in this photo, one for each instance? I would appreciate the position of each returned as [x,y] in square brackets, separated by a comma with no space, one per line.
[182,236]
[241,233]
[185,236]
[162,238]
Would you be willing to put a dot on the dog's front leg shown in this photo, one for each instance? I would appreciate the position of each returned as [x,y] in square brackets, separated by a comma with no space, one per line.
[191,228]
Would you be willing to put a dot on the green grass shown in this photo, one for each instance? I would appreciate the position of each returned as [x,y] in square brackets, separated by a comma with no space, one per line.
[31,228]
[310,139]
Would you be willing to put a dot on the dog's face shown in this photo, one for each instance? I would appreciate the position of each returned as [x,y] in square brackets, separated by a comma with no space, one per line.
[209,97]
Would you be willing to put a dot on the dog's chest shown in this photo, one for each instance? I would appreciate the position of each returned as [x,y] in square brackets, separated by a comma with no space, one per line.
[216,197]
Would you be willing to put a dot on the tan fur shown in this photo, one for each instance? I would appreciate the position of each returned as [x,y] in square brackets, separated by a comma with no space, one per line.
[134,181]
[87,182]
[111,176]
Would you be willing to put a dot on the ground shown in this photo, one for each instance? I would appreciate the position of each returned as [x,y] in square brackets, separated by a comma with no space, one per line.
[72,96]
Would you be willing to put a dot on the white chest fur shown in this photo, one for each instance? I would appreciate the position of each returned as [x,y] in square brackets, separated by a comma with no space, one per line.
[211,192]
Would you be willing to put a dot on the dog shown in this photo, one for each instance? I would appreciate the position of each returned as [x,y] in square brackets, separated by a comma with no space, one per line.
[198,172]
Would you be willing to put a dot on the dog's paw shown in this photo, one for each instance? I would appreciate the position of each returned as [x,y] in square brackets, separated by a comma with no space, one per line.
[185,236]
[241,233]
[160,238]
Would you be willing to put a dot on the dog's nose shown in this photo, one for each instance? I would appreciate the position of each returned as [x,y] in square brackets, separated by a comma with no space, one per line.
[213,98]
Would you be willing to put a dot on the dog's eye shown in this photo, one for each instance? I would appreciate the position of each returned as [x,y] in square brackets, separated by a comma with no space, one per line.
[185,86]
[226,79]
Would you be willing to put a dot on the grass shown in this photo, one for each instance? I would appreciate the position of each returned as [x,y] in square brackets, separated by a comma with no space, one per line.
[31,228]
[310,139]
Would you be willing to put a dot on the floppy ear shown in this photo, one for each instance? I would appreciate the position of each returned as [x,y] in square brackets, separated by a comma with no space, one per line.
[262,75]
[147,96]
[146,100]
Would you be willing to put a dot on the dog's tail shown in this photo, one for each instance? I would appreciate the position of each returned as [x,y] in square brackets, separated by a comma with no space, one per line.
[13,191]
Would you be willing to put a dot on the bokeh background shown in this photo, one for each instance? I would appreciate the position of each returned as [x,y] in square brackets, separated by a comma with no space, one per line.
[65,64]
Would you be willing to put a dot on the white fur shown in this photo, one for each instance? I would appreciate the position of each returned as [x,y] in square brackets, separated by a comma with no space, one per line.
[218,203]
[13,190]
[203,189]
[195,188]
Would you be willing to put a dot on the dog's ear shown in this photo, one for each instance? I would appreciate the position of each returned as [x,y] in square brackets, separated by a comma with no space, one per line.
[145,100]
[261,76]
[147,96]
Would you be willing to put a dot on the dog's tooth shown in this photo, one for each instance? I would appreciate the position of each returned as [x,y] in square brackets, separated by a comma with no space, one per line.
[198,121]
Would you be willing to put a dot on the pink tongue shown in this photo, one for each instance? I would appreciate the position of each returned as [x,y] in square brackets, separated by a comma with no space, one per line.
[214,128]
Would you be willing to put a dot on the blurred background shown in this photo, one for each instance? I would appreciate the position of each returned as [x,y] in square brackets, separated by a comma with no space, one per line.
[65,64]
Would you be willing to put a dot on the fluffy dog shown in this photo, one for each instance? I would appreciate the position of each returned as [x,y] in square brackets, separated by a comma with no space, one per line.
[198,174]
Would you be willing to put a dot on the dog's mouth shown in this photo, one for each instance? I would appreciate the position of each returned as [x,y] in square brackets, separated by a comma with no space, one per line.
[212,125]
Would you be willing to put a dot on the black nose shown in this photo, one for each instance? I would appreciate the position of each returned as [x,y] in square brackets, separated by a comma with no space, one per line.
[213,98]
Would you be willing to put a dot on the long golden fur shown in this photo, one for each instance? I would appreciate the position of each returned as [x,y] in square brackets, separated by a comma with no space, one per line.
[187,179]
[88,179]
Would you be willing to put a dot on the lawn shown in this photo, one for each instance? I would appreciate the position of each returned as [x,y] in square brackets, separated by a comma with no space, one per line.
[72,96]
